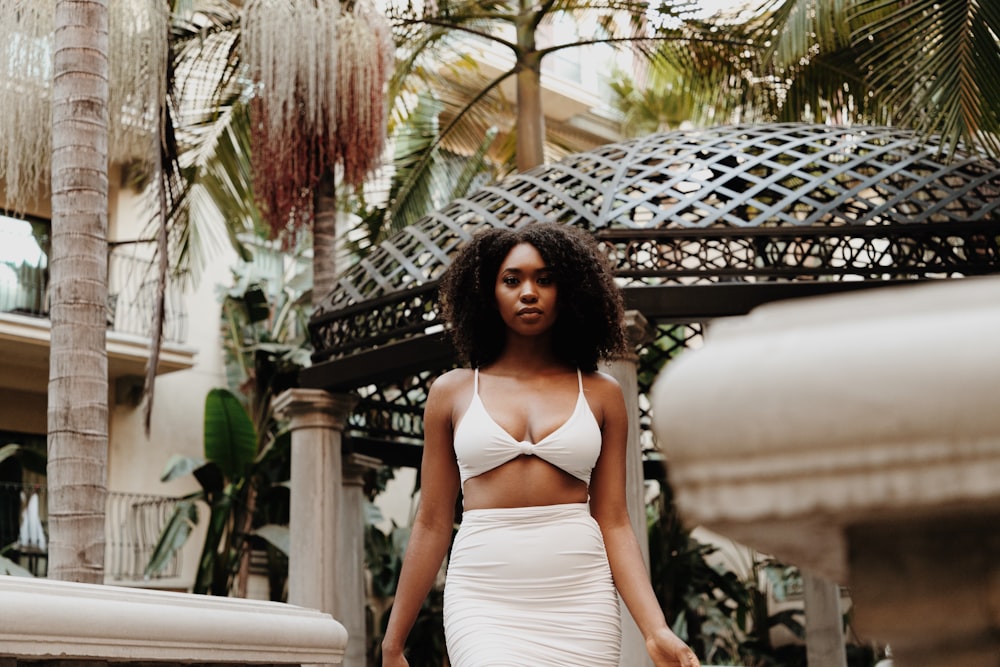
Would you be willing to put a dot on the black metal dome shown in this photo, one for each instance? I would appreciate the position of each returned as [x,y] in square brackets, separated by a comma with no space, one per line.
[698,223]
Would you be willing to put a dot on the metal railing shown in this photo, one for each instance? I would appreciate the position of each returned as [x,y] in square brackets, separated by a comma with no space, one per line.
[133,525]
[132,281]
[132,287]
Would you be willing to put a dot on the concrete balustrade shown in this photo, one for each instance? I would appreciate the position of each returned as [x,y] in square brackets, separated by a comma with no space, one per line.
[858,437]
[44,621]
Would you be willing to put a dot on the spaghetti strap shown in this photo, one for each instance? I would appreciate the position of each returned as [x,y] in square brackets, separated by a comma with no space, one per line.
[475,381]
[579,378]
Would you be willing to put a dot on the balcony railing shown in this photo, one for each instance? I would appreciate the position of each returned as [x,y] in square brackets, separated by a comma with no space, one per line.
[132,284]
[132,281]
[133,526]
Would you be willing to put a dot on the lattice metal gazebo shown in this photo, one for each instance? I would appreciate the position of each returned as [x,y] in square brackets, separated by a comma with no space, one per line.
[699,224]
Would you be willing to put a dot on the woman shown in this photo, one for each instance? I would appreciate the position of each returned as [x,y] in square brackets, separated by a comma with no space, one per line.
[534,438]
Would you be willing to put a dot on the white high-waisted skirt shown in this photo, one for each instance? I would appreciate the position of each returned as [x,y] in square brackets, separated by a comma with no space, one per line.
[531,587]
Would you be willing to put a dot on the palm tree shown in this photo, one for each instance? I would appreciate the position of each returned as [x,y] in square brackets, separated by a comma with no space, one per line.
[931,66]
[664,103]
[78,374]
[447,121]
[318,112]
[73,62]
[136,51]
[529,32]
[246,142]
[812,69]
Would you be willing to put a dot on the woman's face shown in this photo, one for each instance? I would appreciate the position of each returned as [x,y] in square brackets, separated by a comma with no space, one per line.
[526,291]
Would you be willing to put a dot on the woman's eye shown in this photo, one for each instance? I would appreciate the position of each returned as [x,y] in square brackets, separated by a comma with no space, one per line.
[509,280]
[545,280]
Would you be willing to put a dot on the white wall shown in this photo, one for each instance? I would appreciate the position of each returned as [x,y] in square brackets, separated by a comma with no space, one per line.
[136,460]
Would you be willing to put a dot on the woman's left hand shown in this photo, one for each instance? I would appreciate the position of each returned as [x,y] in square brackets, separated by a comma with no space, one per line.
[667,650]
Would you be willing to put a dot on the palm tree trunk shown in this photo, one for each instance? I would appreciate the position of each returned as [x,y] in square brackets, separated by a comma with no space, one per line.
[78,368]
[530,119]
[324,237]
[530,116]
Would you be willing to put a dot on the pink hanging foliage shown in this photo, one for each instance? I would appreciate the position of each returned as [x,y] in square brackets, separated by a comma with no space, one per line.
[321,104]
[286,169]
[290,49]
[364,66]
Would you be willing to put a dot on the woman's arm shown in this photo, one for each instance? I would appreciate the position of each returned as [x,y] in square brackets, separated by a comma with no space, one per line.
[608,505]
[434,521]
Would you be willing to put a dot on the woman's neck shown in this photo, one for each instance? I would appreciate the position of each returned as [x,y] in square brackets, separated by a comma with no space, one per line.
[533,353]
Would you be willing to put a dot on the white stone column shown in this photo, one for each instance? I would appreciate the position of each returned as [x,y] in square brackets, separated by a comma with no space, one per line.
[824,623]
[351,594]
[625,370]
[316,419]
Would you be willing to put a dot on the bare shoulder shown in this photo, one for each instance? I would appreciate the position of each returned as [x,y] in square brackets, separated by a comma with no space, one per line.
[604,395]
[602,384]
[447,386]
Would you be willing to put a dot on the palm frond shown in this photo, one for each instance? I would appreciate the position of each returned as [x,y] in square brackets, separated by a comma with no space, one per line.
[424,176]
[933,65]
[224,184]
[207,82]
[829,87]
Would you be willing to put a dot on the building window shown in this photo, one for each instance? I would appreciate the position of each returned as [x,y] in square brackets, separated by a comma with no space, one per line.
[24,264]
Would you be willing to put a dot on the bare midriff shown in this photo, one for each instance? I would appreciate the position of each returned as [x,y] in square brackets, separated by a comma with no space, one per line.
[525,481]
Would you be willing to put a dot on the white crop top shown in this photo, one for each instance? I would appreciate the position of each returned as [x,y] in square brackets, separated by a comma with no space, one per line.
[482,445]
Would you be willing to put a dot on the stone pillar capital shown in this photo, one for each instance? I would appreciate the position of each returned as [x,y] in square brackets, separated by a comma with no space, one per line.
[638,330]
[356,465]
[313,408]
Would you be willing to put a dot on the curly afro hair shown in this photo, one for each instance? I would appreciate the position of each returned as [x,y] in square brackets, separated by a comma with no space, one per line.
[591,315]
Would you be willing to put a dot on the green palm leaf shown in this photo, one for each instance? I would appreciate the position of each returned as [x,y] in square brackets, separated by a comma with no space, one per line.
[230,437]
[934,64]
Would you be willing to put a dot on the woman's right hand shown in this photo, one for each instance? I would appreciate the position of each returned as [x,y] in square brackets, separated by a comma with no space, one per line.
[667,650]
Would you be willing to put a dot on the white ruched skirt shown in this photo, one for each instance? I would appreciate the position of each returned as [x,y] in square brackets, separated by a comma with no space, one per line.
[531,587]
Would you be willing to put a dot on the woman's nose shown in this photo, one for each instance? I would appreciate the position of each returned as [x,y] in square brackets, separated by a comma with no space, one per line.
[528,292]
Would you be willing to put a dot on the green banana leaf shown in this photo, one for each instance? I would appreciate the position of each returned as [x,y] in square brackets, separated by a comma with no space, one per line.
[230,437]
